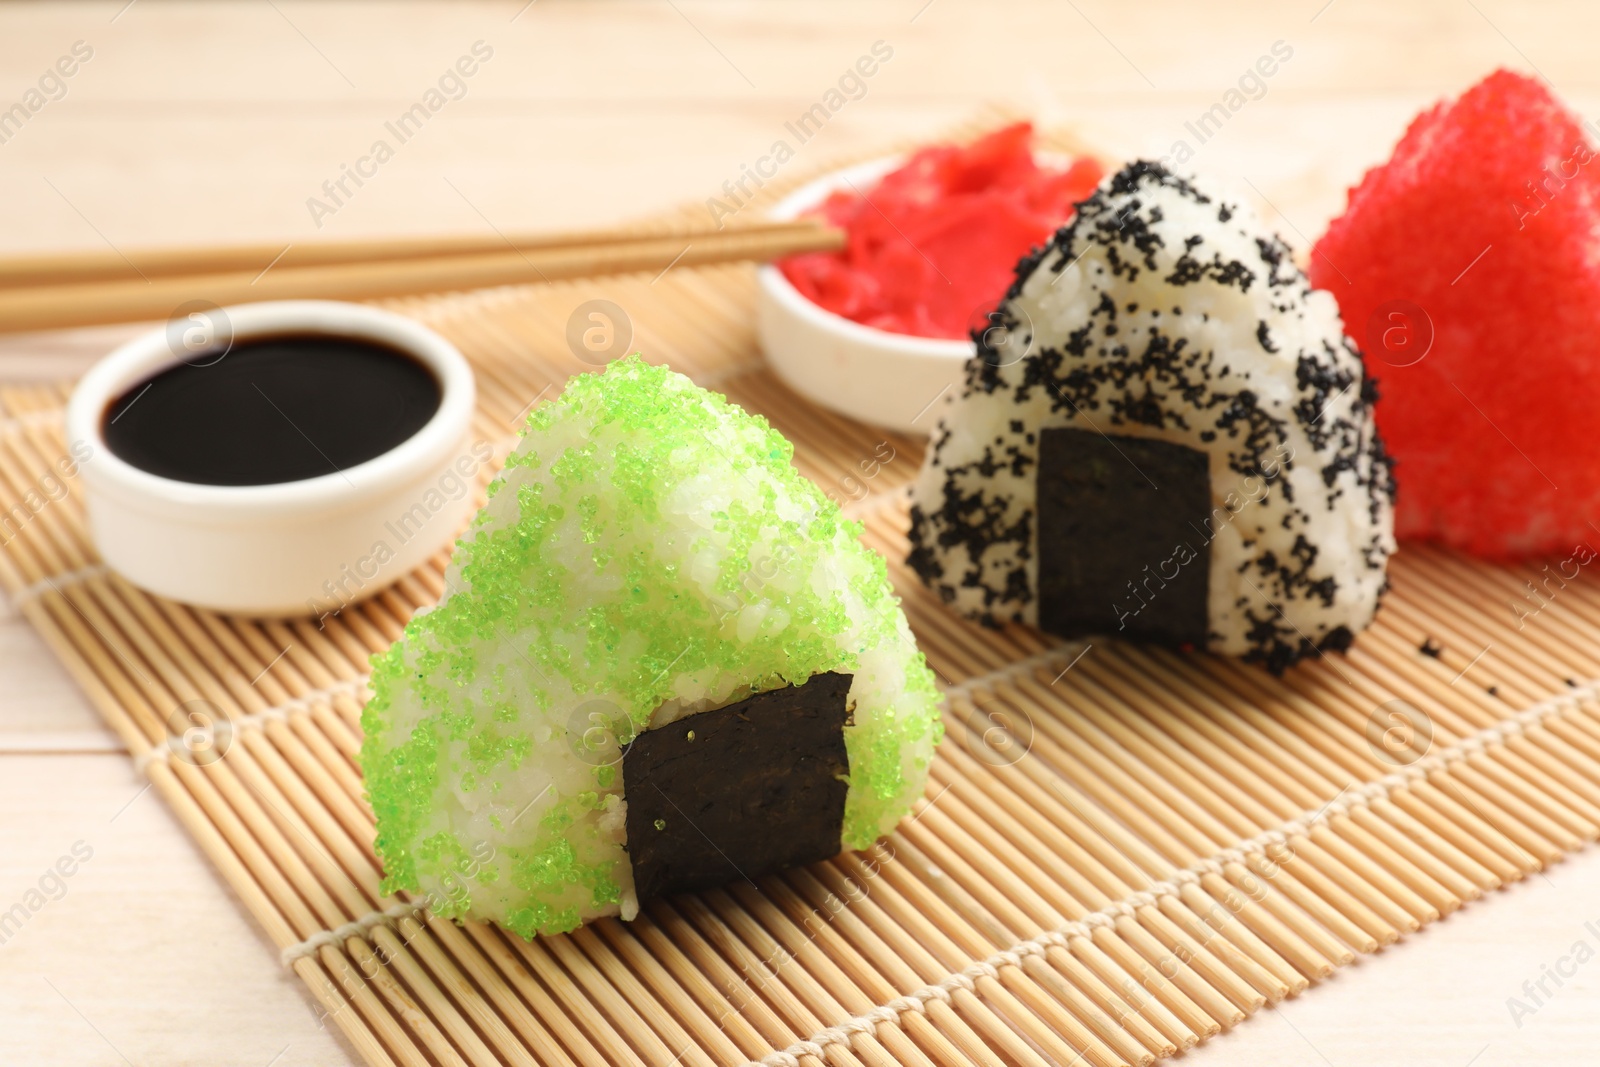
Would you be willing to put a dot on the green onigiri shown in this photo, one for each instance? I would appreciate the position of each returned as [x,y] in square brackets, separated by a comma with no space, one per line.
[636,618]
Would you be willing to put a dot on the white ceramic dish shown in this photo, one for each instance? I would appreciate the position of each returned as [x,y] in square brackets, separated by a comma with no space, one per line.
[888,379]
[292,548]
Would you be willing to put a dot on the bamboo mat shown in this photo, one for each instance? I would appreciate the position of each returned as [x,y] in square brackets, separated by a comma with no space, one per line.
[1121,852]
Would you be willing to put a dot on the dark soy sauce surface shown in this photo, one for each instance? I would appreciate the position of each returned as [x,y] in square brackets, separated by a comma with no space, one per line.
[273,409]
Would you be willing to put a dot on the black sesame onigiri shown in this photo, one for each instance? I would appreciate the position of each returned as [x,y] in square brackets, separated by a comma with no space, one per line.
[1164,435]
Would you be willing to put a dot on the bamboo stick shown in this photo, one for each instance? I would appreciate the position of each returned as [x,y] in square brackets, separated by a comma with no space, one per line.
[1019,813]
[140,264]
[44,307]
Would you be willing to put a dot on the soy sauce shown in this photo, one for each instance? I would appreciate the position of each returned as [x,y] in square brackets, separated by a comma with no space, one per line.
[272,409]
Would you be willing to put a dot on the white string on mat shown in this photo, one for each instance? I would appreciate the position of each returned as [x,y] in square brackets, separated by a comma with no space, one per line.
[358,928]
[55,582]
[1027,665]
[1352,797]
[206,737]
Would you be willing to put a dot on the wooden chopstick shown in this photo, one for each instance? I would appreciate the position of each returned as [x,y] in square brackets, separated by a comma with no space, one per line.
[42,307]
[135,264]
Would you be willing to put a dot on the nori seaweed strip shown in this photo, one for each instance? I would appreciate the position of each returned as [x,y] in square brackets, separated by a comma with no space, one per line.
[739,792]
[1123,547]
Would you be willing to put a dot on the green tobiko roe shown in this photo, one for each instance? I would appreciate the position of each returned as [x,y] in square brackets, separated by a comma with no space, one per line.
[649,551]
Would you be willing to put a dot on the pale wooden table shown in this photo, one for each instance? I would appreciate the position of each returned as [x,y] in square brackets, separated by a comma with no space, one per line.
[200,123]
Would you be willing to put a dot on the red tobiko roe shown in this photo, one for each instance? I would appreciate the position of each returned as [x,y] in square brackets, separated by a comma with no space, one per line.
[933,246]
[1467,268]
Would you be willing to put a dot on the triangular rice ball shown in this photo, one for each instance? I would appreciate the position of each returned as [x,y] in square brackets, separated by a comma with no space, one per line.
[663,656]
[1468,267]
[1164,436]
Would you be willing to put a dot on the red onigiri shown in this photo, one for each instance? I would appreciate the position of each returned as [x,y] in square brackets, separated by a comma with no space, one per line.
[1467,268]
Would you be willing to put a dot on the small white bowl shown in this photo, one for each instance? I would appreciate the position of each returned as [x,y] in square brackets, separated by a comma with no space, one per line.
[888,379]
[307,547]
